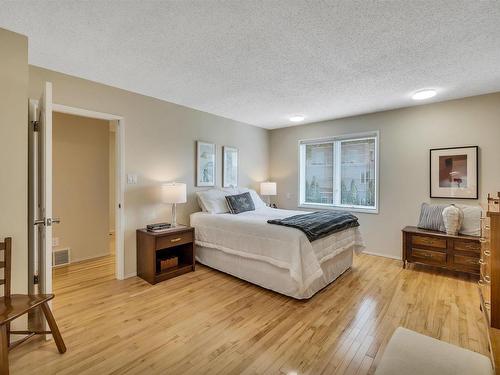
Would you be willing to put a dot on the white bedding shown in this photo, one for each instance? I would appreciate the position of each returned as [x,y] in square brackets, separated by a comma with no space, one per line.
[250,236]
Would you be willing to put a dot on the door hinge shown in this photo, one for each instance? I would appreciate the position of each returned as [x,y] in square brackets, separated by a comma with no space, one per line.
[36,126]
[35,279]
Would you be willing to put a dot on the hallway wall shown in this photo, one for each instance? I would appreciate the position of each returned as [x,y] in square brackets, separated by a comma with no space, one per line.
[81,185]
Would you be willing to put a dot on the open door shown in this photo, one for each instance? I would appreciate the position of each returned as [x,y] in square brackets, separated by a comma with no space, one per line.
[41,219]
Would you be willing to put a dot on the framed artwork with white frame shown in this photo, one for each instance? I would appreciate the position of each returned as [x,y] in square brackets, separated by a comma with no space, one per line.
[229,166]
[454,172]
[205,163]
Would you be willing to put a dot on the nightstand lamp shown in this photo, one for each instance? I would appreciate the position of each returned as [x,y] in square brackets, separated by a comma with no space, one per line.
[268,188]
[173,193]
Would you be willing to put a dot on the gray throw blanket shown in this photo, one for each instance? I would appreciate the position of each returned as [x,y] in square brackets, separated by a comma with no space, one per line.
[319,224]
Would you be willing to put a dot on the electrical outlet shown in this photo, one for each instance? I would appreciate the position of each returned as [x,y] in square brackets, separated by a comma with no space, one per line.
[55,241]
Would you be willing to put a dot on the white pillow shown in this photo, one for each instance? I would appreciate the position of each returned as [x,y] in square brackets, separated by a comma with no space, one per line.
[213,201]
[200,203]
[471,225]
[257,201]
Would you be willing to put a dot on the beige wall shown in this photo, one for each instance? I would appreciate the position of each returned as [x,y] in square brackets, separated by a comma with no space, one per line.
[14,152]
[406,135]
[81,185]
[159,146]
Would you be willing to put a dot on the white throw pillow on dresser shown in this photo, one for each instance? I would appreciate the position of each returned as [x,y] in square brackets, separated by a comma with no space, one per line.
[471,225]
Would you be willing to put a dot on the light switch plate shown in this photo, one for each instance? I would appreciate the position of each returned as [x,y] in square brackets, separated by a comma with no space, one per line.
[131,179]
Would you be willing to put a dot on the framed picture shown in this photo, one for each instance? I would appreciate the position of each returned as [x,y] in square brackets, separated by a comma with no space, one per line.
[229,166]
[205,164]
[454,172]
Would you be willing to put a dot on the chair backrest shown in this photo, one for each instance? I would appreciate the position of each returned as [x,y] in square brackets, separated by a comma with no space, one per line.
[6,249]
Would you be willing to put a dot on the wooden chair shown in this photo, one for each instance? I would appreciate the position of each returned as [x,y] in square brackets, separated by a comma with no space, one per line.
[12,306]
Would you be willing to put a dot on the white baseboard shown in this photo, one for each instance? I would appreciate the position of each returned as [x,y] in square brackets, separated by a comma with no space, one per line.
[383,255]
[77,260]
[129,275]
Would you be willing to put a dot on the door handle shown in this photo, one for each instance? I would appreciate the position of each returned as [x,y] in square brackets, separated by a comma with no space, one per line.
[40,222]
[48,222]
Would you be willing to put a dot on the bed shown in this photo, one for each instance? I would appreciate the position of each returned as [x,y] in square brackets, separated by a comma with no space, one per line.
[274,257]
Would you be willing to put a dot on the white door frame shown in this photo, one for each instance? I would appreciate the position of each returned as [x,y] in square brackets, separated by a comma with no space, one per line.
[119,176]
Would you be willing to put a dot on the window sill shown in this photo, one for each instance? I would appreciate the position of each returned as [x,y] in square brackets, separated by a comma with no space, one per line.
[339,208]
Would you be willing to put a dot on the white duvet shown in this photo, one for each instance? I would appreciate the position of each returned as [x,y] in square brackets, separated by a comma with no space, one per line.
[249,235]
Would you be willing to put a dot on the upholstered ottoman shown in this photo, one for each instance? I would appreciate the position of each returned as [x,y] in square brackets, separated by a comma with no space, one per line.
[410,353]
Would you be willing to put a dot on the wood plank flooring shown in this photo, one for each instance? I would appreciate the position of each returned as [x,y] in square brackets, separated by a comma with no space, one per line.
[207,322]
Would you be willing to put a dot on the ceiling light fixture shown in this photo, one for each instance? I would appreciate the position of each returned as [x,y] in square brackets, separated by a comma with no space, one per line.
[297,118]
[424,94]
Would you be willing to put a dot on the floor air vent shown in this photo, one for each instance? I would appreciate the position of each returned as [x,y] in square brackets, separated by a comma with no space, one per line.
[60,257]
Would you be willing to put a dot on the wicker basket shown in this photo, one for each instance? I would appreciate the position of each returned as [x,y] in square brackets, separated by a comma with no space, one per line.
[169,263]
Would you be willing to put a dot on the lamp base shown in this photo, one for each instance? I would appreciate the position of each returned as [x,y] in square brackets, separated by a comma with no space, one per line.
[173,223]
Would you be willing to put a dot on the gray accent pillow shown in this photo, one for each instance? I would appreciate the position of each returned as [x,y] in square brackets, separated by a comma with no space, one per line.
[431,217]
[240,203]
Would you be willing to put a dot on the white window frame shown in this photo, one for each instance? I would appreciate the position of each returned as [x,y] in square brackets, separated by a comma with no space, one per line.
[336,173]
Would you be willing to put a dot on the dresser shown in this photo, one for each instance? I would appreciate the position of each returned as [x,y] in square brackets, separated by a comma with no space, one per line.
[489,282]
[457,253]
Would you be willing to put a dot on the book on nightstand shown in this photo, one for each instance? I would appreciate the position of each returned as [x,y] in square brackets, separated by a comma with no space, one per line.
[158,227]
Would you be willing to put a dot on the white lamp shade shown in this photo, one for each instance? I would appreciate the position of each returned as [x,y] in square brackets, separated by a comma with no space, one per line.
[268,188]
[173,193]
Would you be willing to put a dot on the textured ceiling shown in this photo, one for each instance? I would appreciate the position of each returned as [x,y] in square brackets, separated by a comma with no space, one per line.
[261,61]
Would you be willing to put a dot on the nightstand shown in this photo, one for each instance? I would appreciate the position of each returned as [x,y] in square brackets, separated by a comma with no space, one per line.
[152,248]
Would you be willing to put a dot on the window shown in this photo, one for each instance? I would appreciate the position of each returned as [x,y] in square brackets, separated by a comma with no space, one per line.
[340,172]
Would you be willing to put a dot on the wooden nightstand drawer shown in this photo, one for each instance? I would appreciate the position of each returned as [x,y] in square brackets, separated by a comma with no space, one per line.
[470,246]
[429,241]
[173,240]
[428,256]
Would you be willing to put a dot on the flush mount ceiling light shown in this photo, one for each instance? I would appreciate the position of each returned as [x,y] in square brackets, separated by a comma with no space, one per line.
[424,94]
[297,118]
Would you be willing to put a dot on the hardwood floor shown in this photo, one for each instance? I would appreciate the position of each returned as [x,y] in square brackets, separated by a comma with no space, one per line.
[207,322]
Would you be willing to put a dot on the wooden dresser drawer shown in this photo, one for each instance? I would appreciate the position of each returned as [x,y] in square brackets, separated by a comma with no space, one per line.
[472,262]
[429,241]
[470,246]
[428,256]
[173,240]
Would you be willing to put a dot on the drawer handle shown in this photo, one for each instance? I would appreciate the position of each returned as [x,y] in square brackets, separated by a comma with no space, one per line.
[176,239]
[481,262]
[483,240]
[487,253]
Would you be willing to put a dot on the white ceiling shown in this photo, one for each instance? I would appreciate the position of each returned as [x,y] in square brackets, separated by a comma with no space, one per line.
[261,61]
